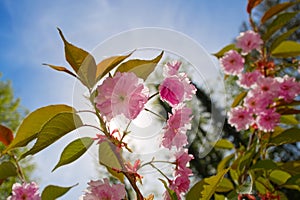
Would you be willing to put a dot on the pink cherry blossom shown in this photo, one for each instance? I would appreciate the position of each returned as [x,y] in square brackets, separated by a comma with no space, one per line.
[232,63]
[26,191]
[103,190]
[258,102]
[288,88]
[240,117]
[246,80]
[171,68]
[266,85]
[172,90]
[249,41]
[122,94]
[182,158]
[173,137]
[267,120]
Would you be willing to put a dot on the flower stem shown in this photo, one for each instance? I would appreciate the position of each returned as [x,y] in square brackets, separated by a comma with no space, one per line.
[159,116]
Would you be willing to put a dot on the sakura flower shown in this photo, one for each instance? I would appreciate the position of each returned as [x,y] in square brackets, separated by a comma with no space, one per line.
[248,41]
[103,190]
[267,120]
[246,80]
[240,117]
[288,88]
[122,94]
[26,191]
[134,168]
[182,158]
[172,91]
[171,68]
[257,102]
[266,85]
[174,138]
[232,63]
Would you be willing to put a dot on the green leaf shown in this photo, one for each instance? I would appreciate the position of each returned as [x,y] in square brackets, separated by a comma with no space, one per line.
[275,10]
[224,144]
[279,177]
[263,185]
[6,135]
[278,23]
[109,64]
[225,185]
[288,136]
[74,150]
[246,159]
[238,99]
[172,194]
[282,37]
[225,49]
[288,119]
[219,197]
[292,167]
[287,49]
[205,188]
[293,183]
[118,175]
[109,155]
[141,68]
[33,123]
[52,192]
[224,162]
[7,169]
[54,129]
[264,165]
[81,61]
[62,69]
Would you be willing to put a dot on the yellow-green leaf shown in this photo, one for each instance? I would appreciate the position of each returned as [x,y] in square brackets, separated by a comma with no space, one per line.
[205,188]
[238,99]
[52,192]
[7,169]
[287,49]
[292,167]
[291,135]
[288,119]
[33,123]
[225,185]
[81,61]
[282,38]
[172,194]
[224,144]
[293,182]
[263,185]
[225,49]
[109,155]
[264,165]
[62,69]
[279,177]
[109,64]
[141,68]
[278,23]
[54,129]
[275,10]
[74,150]
[224,162]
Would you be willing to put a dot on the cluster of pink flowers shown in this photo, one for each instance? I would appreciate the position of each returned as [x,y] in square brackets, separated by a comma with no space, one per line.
[25,191]
[124,94]
[176,89]
[258,108]
[103,190]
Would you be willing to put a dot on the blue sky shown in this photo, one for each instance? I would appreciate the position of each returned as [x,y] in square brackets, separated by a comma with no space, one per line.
[28,38]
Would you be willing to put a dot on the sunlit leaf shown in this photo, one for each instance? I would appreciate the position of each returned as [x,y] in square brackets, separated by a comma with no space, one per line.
[252,4]
[62,69]
[224,162]
[52,192]
[74,150]
[57,127]
[225,185]
[291,135]
[6,135]
[287,49]
[119,175]
[7,169]
[141,68]
[227,48]
[109,64]
[224,144]
[263,185]
[278,23]
[219,197]
[110,155]
[205,188]
[293,182]
[288,119]
[33,123]
[275,10]
[264,165]
[292,167]
[282,38]
[238,99]
[279,177]
[81,61]
[172,194]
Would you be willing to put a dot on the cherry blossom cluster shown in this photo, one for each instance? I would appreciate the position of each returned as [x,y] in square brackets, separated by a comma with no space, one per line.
[176,90]
[263,91]
[25,191]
